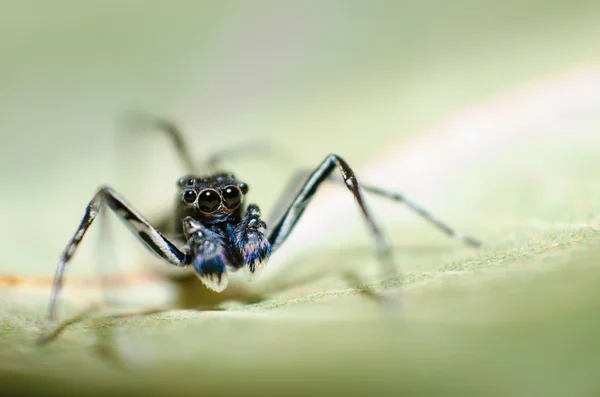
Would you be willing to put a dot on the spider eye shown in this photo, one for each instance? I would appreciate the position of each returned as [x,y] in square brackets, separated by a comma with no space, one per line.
[232,197]
[187,180]
[244,188]
[209,200]
[189,196]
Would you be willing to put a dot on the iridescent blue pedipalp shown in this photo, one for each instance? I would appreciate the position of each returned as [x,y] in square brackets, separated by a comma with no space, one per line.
[209,254]
[249,239]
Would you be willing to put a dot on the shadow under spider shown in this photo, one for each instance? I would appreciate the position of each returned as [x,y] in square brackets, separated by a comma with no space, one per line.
[191,294]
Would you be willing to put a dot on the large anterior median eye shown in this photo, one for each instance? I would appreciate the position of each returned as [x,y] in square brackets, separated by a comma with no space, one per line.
[232,197]
[209,200]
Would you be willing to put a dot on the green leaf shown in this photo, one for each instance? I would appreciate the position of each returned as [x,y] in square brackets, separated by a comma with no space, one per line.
[485,114]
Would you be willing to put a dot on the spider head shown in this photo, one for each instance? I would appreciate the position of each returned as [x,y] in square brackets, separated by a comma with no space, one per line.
[212,198]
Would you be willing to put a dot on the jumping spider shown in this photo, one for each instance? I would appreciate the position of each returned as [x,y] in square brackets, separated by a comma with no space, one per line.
[217,234]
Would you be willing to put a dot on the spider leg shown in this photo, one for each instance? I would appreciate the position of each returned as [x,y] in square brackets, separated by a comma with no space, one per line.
[247,149]
[286,224]
[395,196]
[150,236]
[140,121]
[213,161]
[289,194]
[301,176]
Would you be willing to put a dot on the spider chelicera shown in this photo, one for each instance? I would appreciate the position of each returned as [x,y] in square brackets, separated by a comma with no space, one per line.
[214,233]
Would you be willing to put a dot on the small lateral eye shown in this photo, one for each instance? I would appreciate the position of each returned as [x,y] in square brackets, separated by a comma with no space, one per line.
[232,197]
[189,196]
[243,187]
[209,200]
[187,180]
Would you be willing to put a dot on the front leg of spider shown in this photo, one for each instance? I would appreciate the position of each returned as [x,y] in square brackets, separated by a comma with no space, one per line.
[208,254]
[250,241]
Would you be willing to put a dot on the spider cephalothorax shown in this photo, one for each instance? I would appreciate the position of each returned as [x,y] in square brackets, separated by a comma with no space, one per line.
[212,199]
[219,235]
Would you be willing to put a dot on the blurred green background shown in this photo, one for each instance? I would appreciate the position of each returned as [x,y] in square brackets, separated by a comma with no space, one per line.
[487,113]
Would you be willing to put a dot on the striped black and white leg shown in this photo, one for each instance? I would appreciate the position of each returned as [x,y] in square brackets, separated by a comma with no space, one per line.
[300,177]
[150,236]
[286,224]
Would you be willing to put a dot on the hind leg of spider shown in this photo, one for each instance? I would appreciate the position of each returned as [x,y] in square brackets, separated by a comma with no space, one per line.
[286,224]
[146,233]
[142,121]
